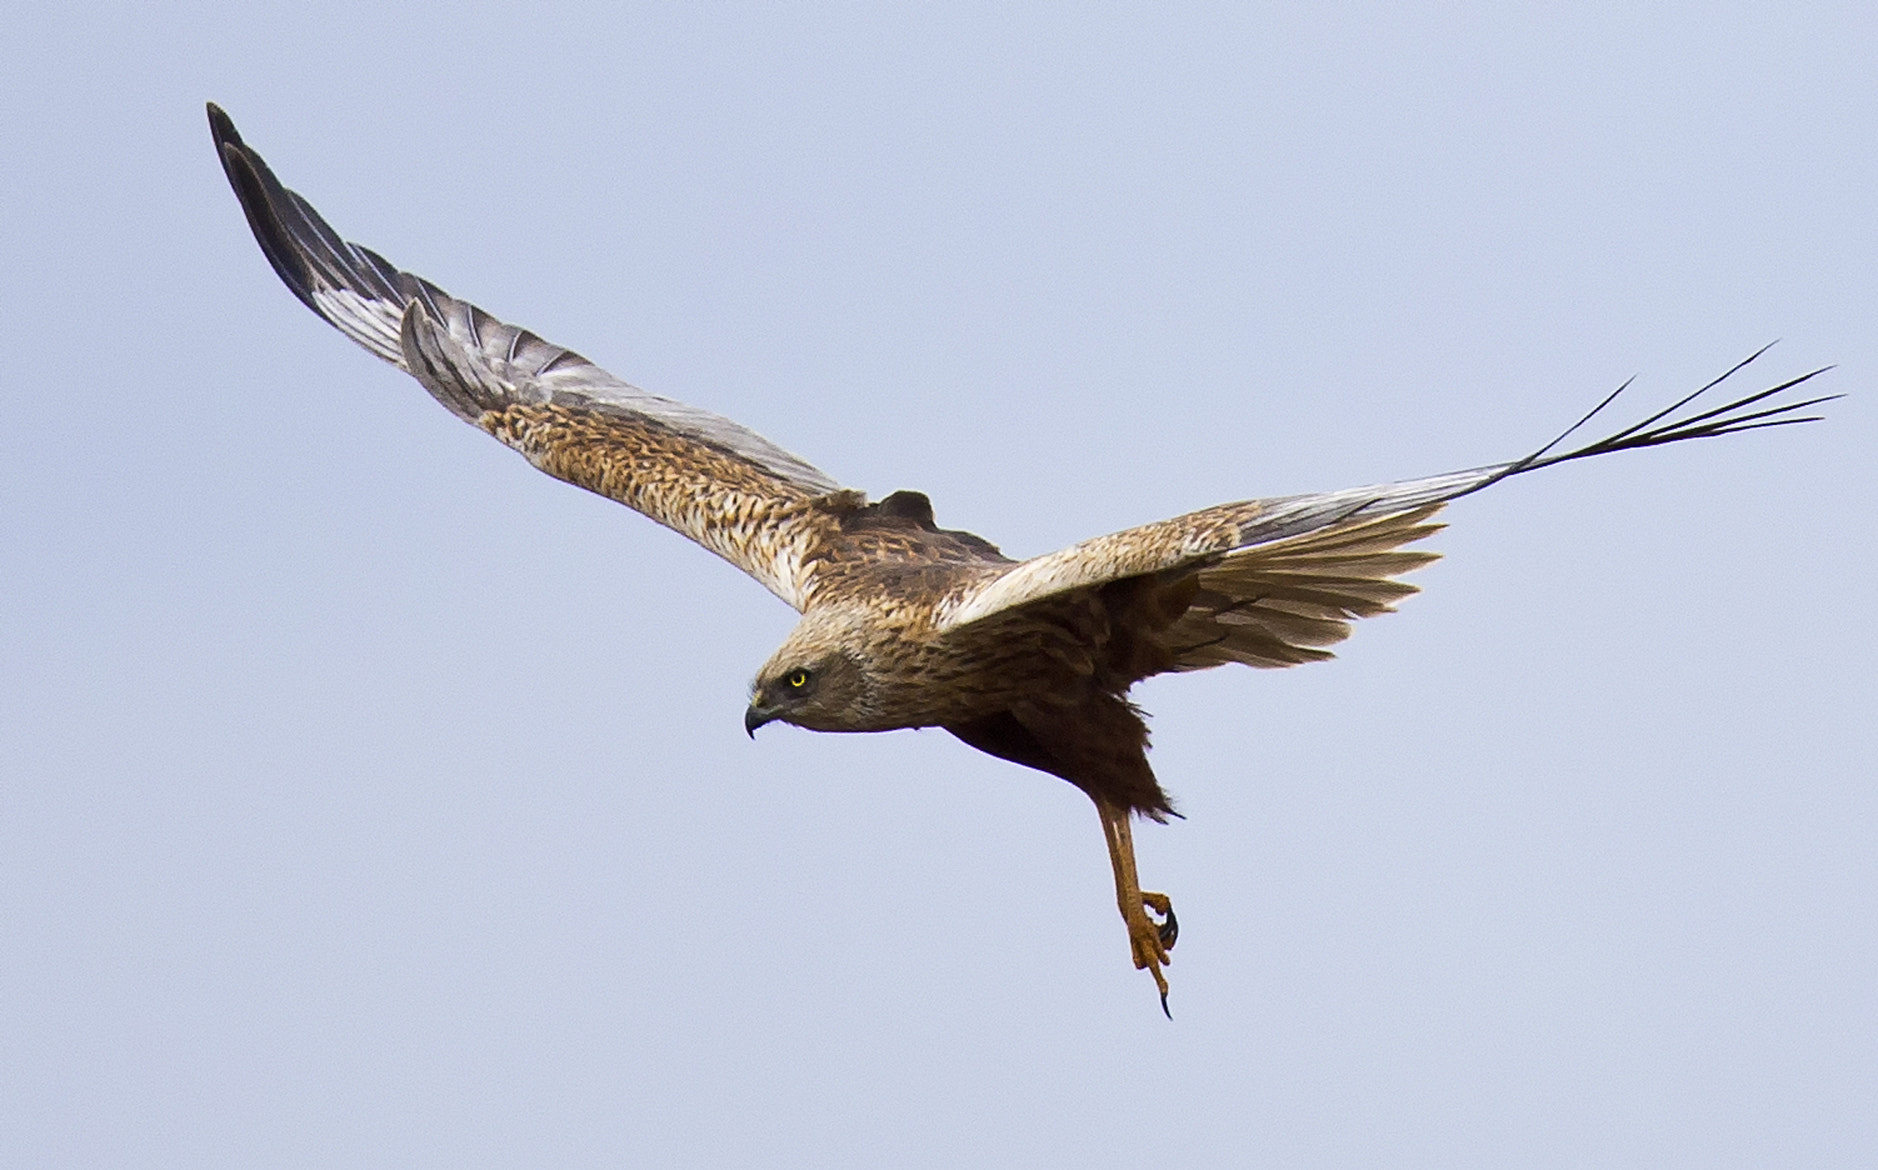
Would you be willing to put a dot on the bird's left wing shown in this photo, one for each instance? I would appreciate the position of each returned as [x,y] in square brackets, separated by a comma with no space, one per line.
[1270,582]
[723,485]
[1290,569]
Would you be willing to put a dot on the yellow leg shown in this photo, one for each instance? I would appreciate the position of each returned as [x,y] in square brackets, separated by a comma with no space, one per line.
[1150,941]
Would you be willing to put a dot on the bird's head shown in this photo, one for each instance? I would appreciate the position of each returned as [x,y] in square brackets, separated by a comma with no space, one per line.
[817,679]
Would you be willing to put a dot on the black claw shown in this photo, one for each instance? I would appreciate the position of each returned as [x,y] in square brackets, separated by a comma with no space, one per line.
[1164,1011]
[1170,929]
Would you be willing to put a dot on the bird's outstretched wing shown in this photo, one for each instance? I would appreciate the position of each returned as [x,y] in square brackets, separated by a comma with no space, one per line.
[1271,582]
[722,485]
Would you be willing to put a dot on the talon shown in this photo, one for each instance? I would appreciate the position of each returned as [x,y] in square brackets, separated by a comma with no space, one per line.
[1169,927]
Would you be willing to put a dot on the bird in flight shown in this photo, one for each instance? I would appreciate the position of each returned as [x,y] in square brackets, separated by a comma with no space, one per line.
[904,623]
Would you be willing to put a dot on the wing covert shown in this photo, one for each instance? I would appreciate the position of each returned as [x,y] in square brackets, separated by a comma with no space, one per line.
[1199,538]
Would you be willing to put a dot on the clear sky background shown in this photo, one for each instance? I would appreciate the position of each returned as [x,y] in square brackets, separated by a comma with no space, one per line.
[370,799]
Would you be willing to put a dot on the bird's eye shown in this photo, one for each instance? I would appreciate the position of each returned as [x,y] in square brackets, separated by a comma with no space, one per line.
[798,679]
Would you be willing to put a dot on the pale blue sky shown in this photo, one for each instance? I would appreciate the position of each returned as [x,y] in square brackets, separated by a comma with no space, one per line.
[371,799]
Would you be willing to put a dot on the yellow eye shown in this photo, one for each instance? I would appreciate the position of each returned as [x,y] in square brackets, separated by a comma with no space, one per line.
[798,679]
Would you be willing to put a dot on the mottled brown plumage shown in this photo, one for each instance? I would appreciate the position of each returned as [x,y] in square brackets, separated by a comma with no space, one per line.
[904,623]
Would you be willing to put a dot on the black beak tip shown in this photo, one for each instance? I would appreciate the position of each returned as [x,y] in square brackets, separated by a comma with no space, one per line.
[753,718]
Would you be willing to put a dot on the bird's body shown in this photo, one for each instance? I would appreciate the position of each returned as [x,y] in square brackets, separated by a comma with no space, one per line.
[904,623]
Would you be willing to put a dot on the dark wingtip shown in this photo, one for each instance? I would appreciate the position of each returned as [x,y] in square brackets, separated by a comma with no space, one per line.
[1673,425]
[252,184]
[222,130]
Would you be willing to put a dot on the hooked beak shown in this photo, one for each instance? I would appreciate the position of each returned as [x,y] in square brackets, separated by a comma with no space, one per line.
[756,716]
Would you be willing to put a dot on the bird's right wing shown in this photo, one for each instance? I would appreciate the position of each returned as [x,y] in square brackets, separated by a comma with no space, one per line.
[1271,582]
[723,485]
